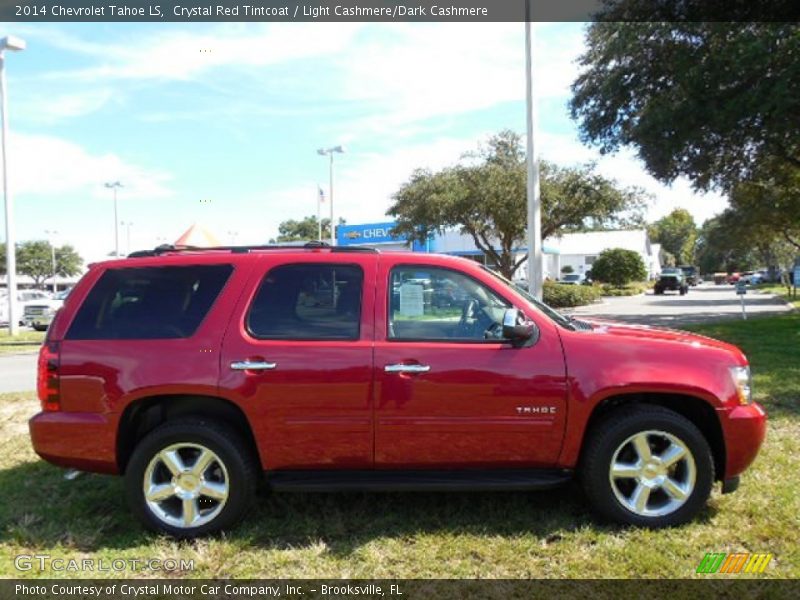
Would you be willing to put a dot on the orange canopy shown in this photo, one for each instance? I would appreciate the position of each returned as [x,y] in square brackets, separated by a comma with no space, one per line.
[199,236]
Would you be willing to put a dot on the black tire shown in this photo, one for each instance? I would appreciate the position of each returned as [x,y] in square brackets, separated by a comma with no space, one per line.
[241,468]
[39,327]
[610,434]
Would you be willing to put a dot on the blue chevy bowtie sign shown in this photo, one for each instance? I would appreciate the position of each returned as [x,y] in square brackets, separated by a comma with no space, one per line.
[370,233]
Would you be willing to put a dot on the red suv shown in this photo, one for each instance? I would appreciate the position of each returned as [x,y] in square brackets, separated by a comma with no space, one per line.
[196,373]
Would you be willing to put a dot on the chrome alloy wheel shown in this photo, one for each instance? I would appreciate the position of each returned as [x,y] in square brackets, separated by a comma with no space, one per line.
[652,473]
[186,485]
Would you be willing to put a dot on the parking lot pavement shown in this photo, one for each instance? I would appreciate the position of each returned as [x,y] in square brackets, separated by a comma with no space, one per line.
[704,303]
[18,372]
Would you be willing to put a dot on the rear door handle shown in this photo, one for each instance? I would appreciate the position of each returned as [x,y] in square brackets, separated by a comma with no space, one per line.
[252,365]
[403,368]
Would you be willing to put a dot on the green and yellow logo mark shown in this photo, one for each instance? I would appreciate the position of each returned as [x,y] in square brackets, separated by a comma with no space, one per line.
[742,562]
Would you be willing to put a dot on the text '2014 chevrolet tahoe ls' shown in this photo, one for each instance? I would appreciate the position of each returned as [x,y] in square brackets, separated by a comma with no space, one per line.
[195,373]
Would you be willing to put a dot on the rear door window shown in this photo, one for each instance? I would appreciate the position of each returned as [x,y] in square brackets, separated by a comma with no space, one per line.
[149,302]
[308,302]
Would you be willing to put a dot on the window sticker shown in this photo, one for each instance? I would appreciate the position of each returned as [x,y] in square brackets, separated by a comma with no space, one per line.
[411,300]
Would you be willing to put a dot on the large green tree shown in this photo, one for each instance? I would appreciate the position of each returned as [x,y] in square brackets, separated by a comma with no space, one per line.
[731,242]
[761,228]
[770,201]
[721,248]
[35,259]
[677,233]
[709,100]
[306,229]
[485,197]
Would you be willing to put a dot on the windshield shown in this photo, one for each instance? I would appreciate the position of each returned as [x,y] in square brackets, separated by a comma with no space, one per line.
[554,315]
[571,277]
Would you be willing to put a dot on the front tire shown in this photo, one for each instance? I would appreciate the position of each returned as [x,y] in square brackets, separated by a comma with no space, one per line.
[647,466]
[191,477]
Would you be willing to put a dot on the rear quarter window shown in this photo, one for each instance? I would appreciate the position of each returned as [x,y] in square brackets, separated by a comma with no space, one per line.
[149,302]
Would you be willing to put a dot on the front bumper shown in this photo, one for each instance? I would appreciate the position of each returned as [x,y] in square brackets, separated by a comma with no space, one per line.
[84,441]
[744,429]
[37,320]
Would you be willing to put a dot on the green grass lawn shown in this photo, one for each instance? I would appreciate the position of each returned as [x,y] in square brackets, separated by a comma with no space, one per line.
[781,291]
[513,535]
[25,341]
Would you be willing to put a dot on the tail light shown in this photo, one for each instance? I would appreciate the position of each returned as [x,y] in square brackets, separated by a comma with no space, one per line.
[47,384]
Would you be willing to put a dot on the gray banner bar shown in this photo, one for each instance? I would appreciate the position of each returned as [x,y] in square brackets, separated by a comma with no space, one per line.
[397,10]
[392,589]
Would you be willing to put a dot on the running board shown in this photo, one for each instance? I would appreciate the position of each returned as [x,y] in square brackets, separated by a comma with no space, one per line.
[493,480]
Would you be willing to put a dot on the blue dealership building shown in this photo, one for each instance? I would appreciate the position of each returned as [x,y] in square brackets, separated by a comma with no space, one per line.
[380,235]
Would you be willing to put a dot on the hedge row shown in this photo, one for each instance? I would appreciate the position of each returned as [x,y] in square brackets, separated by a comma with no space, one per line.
[631,289]
[559,295]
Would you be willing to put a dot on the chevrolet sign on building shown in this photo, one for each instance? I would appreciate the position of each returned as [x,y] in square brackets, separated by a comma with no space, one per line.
[375,234]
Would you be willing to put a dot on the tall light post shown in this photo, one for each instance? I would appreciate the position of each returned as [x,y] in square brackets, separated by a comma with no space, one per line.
[14,44]
[115,186]
[51,233]
[535,275]
[127,226]
[330,152]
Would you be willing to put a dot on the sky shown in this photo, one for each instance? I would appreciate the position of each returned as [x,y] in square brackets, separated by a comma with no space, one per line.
[219,123]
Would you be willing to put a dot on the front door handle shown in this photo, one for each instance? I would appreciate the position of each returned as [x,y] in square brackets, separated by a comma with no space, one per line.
[252,365]
[404,368]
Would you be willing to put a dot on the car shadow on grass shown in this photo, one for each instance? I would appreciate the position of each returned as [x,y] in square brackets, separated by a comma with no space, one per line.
[41,509]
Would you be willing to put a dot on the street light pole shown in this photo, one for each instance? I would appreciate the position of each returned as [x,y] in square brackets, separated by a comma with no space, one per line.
[330,152]
[330,193]
[50,233]
[534,205]
[319,213]
[115,186]
[14,44]
[127,225]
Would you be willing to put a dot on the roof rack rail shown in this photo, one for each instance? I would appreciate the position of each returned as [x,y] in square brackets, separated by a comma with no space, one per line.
[164,248]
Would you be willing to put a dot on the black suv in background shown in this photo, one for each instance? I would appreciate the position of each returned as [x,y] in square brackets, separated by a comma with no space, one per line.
[690,273]
[671,280]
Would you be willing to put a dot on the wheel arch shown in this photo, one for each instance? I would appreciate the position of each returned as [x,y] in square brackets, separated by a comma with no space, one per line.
[693,408]
[143,415]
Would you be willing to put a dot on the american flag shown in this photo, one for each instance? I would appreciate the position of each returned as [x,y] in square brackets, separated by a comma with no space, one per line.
[321,194]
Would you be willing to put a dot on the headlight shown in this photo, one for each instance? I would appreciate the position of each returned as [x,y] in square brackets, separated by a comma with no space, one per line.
[741,379]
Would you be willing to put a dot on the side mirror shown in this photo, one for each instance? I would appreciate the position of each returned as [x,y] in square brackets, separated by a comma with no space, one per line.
[518,329]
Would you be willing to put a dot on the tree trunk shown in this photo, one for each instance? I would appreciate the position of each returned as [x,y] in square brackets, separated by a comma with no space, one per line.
[506,269]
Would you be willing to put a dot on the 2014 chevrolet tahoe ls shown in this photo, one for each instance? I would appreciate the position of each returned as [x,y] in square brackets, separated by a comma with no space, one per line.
[196,373]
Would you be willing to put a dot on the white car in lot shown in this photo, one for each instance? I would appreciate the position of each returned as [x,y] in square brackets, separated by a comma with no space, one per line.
[36,304]
[40,312]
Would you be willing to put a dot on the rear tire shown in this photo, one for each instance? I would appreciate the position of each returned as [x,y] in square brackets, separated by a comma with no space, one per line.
[667,486]
[191,477]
